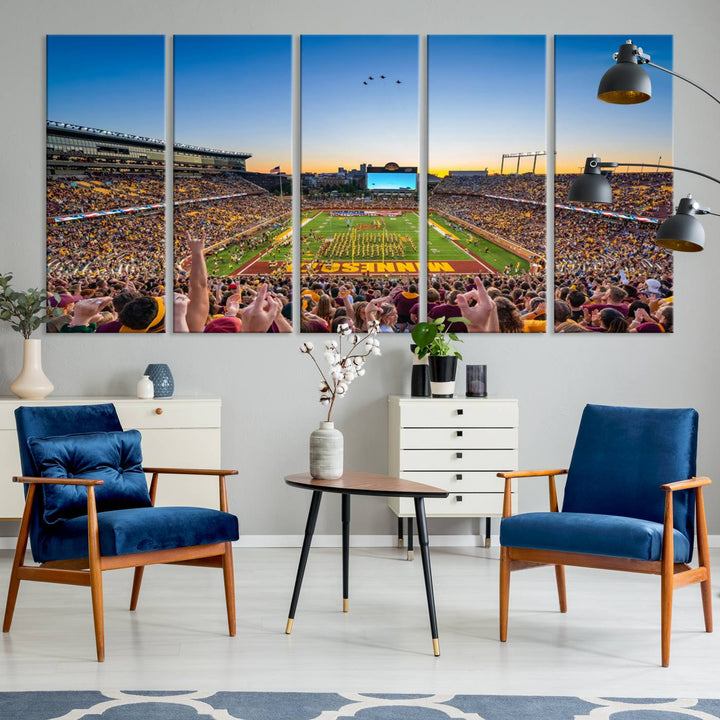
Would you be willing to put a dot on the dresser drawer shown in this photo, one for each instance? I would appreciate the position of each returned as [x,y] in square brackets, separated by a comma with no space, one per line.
[455,505]
[458,460]
[168,413]
[459,437]
[458,482]
[458,413]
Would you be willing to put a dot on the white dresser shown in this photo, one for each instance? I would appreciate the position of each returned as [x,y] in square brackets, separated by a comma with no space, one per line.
[458,444]
[176,432]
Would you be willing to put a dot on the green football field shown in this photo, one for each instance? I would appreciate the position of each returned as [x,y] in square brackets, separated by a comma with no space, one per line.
[372,238]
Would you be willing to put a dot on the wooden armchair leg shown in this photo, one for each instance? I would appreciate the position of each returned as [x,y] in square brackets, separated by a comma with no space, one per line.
[706,592]
[229,579]
[96,587]
[11,598]
[704,559]
[666,599]
[18,560]
[504,592]
[137,581]
[560,580]
[96,590]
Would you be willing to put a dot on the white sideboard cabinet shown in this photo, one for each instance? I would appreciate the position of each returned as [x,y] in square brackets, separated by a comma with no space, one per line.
[458,444]
[176,432]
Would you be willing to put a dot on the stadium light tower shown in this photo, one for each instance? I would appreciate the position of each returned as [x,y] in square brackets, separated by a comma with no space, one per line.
[679,232]
[534,155]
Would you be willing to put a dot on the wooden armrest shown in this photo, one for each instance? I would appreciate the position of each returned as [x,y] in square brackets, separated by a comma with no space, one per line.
[57,481]
[531,473]
[686,484]
[187,471]
[549,474]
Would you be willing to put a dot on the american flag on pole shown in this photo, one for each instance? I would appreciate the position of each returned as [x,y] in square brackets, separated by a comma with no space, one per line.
[275,170]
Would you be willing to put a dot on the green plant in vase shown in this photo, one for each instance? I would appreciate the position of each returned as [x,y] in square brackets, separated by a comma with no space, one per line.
[434,340]
[26,311]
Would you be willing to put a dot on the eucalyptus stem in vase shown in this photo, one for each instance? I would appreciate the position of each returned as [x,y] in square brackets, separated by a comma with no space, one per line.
[343,368]
[346,359]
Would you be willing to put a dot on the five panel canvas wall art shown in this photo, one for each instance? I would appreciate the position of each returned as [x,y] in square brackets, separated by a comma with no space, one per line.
[361,235]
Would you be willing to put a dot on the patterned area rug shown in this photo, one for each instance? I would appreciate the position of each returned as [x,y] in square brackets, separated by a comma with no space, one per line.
[188,705]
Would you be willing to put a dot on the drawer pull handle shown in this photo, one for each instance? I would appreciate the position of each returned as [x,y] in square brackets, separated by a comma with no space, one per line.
[458,476]
[158,411]
[460,411]
[459,433]
[458,456]
[458,498]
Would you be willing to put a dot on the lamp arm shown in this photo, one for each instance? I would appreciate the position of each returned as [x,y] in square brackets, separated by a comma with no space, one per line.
[682,77]
[666,167]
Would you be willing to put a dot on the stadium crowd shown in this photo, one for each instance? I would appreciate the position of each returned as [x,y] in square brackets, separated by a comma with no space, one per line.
[107,273]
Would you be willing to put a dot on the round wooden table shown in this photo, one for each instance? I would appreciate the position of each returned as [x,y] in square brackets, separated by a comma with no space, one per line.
[361,483]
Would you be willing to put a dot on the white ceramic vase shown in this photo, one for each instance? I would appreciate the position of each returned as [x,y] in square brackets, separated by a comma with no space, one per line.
[326,452]
[145,388]
[32,383]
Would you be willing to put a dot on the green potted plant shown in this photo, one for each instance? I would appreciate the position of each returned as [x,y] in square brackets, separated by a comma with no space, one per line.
[26,311]
[434,341]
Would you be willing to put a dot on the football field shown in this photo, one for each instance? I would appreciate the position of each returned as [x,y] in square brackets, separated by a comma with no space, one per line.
[371,242]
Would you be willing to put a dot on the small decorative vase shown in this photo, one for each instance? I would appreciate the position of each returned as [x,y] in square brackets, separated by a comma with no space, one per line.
[145,388]
[162,379]
[442,375]
[31,383]
[326,452]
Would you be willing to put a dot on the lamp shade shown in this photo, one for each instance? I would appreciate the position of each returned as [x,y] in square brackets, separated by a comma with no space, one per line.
[592,185]
[682,231]
[626,82]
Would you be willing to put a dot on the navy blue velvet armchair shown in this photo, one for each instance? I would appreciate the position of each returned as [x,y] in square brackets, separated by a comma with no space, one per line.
[88,509]
[631,503]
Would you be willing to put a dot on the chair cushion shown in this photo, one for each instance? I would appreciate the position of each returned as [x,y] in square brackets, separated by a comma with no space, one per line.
[114,457]
[623,455]
[592,534]
[137,530]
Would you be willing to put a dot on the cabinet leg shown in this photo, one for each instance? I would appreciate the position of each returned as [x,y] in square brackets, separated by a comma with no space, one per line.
[400,532]
[410,552]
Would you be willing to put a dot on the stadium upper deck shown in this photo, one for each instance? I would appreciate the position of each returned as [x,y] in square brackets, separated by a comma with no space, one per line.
[76,148]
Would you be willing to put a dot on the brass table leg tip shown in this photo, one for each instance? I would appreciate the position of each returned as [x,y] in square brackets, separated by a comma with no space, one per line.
[487,542]
[288,627]
[411,554]
[401,542]
[346,605]
[436,647]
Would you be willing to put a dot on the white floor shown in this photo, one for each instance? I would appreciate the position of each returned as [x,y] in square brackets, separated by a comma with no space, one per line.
[607,644]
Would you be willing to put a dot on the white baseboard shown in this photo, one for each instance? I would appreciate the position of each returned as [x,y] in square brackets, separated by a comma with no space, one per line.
[335,541]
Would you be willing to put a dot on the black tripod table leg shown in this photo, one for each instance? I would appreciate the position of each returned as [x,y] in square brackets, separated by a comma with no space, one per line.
[425,553]
[346,550]
[309,530]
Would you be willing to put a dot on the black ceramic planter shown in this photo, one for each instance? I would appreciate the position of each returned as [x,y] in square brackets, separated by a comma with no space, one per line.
[442,375]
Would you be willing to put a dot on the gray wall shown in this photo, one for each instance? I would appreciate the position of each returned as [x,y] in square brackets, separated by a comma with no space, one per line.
[268,388]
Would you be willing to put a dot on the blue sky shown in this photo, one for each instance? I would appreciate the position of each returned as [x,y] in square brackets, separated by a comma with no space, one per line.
[111,82]
[346,123]
[586,125]
[233,92]
[486,96]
